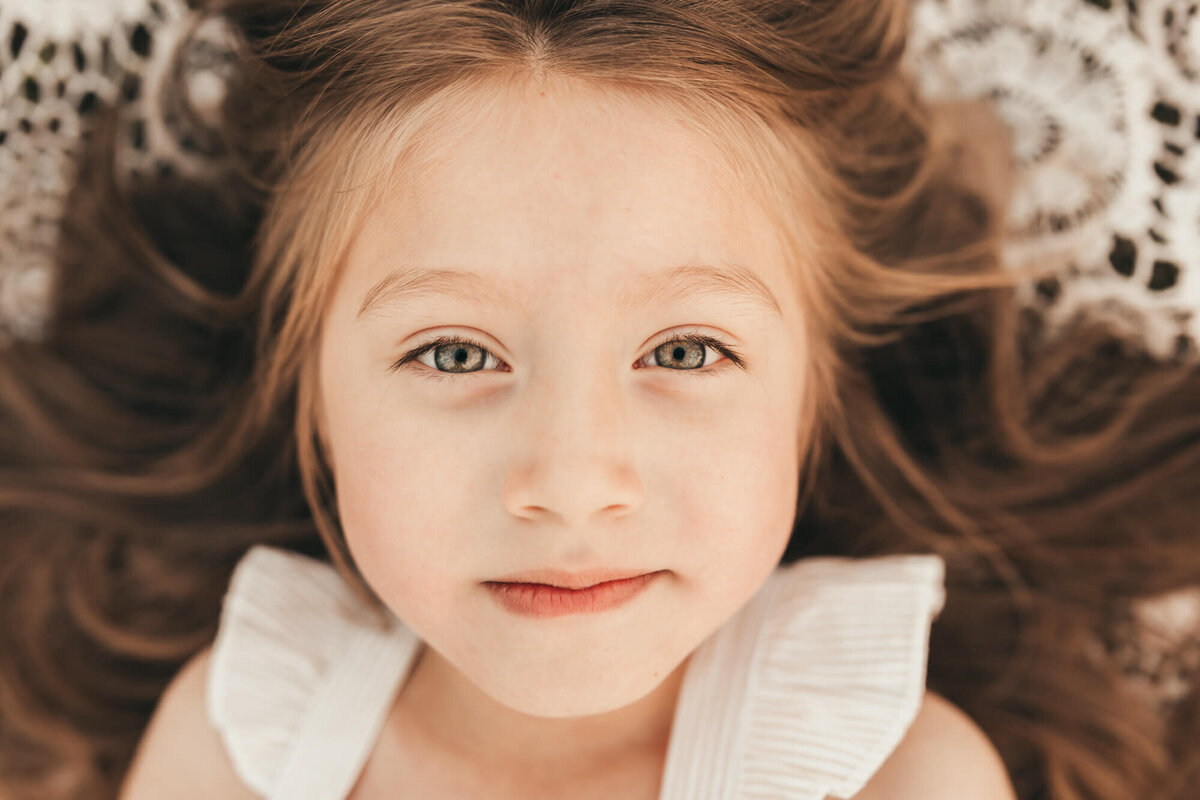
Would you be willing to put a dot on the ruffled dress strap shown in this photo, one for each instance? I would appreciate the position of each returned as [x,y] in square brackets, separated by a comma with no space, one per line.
[807,690]
[301,677]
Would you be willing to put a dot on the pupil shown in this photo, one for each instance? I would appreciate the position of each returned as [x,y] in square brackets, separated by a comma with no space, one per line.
[460,355]
[678,353]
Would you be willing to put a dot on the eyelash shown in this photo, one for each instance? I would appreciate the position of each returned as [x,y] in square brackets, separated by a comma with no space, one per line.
[409,359]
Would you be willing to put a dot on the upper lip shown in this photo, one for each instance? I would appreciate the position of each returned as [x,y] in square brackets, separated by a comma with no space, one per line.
[571,580]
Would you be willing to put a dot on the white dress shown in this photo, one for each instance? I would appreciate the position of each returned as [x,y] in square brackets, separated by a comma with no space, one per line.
[803,693]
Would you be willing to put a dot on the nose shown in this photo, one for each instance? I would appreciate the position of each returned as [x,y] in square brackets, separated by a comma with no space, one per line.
[575,459]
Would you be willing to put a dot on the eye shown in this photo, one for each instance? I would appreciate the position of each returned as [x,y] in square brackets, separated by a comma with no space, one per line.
[454,355]
[691,353]
[450,355]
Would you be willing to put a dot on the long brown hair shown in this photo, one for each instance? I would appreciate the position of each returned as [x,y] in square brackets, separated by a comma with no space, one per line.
[166,423]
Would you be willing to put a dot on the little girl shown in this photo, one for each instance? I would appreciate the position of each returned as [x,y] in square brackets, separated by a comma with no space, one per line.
[572,432]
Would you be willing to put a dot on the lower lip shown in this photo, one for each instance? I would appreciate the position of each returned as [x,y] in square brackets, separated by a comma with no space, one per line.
[542,601]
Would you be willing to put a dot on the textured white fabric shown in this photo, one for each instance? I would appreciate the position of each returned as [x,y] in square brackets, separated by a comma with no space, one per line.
[1157,643]
[61,60]
[1103,99]
[807,690]
[803,693]
[300,676]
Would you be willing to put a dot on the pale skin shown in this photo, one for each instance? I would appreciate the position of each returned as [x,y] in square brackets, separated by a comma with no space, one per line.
[571,447]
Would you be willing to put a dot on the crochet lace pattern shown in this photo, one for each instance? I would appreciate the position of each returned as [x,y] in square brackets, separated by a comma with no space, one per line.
[1102,98]
[60,61]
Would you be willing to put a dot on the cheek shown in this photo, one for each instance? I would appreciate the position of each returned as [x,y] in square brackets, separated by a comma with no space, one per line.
[382,524]
[399,500]
[742,483]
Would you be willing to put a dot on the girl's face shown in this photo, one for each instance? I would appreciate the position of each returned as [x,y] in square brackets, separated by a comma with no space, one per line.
[567,438]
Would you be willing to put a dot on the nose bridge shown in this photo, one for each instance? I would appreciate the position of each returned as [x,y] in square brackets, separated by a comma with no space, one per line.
[584,412]
[578,459]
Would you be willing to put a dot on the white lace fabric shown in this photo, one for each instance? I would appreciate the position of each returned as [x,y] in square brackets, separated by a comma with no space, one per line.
[1104,105]
[1102,96]
[60,60]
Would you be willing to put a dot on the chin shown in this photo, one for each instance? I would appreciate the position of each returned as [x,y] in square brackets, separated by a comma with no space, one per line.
[565,698]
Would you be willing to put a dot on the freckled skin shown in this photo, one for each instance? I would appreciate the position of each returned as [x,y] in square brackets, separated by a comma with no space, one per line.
[570,457]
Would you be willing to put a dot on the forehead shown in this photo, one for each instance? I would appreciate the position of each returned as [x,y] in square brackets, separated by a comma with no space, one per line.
[540,182]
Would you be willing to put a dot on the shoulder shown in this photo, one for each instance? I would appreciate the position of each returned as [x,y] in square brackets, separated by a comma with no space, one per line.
[181,754]
[944,756]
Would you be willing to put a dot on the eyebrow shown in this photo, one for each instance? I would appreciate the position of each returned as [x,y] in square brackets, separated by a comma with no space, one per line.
[675,284]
